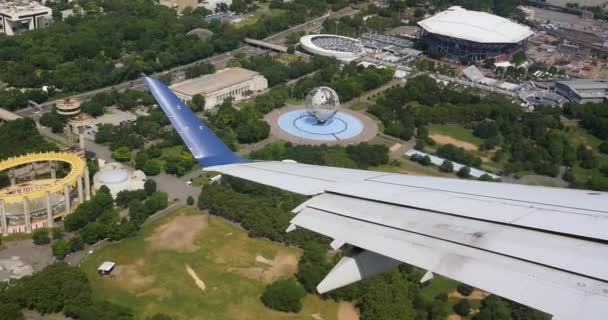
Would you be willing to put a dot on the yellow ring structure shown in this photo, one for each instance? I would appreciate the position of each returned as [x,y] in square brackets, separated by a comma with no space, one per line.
[77,170]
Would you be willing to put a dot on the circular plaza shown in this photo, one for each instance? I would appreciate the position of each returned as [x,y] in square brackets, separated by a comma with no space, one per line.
[297,125]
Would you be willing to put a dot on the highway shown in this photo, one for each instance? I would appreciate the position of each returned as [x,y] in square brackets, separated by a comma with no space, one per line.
[219,61]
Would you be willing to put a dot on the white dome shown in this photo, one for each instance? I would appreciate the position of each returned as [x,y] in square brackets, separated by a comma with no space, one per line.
[112,176]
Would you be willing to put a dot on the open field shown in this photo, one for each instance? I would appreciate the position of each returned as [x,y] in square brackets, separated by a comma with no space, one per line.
[214,271]
[460,136]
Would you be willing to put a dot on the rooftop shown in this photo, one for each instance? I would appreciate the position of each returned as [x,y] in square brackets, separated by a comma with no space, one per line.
[475,26]
[17,8]
[582,84]
[213,82]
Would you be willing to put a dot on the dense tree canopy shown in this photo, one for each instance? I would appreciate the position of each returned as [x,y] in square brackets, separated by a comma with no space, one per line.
[19,137]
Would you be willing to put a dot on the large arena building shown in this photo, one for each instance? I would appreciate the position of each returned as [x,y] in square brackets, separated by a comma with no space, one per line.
[459,34]
[44,187]
[329,45]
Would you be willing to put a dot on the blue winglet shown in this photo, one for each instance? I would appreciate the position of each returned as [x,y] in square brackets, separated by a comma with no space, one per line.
[205,146]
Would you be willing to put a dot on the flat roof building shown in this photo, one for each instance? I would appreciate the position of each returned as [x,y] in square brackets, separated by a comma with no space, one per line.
[22,15]
[583,90]
[459,34]
[230,83]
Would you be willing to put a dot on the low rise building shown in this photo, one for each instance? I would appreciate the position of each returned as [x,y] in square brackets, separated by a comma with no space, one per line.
[583,90]
[68,107]
[212,4]
[179,5]
[231,83]
[114,176]
[18,16]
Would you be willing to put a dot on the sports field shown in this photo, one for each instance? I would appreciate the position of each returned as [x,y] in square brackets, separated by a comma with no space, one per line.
[193,266]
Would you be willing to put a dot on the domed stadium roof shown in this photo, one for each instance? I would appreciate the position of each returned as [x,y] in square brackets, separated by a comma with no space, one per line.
[201,34]
[112,176]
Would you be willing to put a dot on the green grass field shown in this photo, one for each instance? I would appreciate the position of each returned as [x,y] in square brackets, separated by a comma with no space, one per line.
[152,279]
[253,17]
[455,131]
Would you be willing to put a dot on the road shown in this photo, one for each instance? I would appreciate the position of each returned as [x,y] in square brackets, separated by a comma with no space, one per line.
[219,61]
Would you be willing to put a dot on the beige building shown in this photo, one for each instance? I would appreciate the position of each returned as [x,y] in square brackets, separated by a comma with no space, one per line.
[231,83]
[179,5]
[17,16]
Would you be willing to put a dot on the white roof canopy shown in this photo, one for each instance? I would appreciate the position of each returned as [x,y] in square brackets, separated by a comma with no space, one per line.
[475,26]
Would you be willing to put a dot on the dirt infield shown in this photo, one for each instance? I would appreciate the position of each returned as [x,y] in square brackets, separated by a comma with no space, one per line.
[347,311]
[282,265]
[443,139]
[130,277]
[179,234]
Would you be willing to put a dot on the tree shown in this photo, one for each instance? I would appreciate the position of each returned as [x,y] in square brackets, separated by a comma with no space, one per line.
[152,167]
[60,248]
[284,295]
[425,160]
[122,154]
[464,289]
[519,58]
[462,308]
[53,120]
[493,308]
[190,201]
[464,172]
[197,103]
[446,166]
[57,233]
[603,147]
[150,186]
[41,236]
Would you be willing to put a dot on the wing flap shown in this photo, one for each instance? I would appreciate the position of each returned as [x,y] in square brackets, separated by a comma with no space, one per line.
[566,253]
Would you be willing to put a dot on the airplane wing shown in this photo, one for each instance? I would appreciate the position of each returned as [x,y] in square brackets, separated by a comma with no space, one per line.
[546,248]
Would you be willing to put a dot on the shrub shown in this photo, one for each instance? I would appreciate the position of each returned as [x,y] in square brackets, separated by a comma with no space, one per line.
[464,172]
[190,201]
[462,308]
[60,249]
[465,290]
[284,295]
[446,166]
[57,233]
[150,186]
[41,236]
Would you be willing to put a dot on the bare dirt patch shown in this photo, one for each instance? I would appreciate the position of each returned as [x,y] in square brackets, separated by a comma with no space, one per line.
[475,295]
[443,139]
[129,276]
[199,283]
[347,311]
[161,293]
[283,264]
[179,234]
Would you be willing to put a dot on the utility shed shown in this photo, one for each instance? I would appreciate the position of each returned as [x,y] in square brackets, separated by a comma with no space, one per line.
[106,267]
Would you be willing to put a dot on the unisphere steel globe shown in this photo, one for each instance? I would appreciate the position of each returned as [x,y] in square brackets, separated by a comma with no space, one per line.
[322,103]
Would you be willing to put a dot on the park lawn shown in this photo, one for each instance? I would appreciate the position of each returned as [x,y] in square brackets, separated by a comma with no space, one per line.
[158,281]
[410,167]
[250,18]
[455,131]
